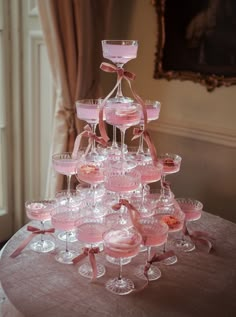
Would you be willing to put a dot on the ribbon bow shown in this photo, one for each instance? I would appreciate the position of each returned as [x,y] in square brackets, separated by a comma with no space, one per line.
[34,231]
[201,237]
[91,136]
[90,252]
[128,76]
[137,132]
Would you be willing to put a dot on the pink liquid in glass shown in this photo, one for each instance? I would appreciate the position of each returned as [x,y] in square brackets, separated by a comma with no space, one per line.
[154,234]
[122,116]
[118,53]
[65,166]
[65,219]
[39,210]
[152,113]
[149,173]
[121,183]
[88,112]
[90,174]
[191,208]
[91,232]
[122,243]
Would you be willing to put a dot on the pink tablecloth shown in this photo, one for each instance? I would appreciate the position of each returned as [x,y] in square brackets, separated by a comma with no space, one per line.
[199,284]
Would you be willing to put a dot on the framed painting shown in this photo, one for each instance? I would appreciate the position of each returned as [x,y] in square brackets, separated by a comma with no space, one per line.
[196,41]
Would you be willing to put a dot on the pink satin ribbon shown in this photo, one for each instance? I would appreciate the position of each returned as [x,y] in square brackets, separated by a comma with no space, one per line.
[133,212]
[34,231]
[201,237]
[90,252]
[128,76]
[137,132]
[91,136]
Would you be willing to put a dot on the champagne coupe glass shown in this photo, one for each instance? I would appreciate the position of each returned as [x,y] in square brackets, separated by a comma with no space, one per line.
[192,209]
[171,164]
[123,117]
[123,183]
[91,171]
[65,218]
[73,202]
[121,243]
[90,233]
[154,233]
[40,210]
[65,163]
[150,173]
[88,110]
[119,52]
[153,110]
[173,216]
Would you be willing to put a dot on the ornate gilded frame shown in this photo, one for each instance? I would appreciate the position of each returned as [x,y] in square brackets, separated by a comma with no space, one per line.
[210,81]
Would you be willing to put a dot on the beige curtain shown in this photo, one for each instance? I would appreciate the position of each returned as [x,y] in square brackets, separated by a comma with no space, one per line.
[73,30]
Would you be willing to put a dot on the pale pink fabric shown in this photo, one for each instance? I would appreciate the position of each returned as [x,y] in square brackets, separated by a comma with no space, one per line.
[73,30]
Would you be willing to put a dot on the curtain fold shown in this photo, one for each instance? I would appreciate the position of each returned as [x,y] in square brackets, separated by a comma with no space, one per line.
[73,30]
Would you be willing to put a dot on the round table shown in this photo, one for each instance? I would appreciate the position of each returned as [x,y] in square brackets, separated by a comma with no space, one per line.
[199,284]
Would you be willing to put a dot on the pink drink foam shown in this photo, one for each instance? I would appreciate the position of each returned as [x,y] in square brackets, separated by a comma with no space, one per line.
[122,116]
[120,244]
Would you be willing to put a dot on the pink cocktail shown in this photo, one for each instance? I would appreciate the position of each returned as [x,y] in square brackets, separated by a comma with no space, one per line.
[153,110]
[171,163]
[119,51]
[154,232]
[40,210]
[150,173]
[192,208]
[90,173]
[88,110]
[124,115]
[122,243]
[65,219]
[91,232]
[63,163]
[121,182]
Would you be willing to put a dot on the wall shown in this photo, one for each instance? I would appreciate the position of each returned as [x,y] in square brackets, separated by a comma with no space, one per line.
[196,124]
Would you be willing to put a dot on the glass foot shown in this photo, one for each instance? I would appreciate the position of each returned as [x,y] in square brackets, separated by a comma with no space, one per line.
[116,261]
[42,246]
[65,257]
[170,261]
[71,237]
[86,270]
[153,273]
[143,248]
[121,286]
[184,245]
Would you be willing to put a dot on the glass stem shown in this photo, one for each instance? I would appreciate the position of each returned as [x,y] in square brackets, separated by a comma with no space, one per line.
[93,148]
[68,186]
[120,269]
[42,228]
[114,143]
[67,236]
[122,135]
[140,147]
[119,93]
[148,253]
